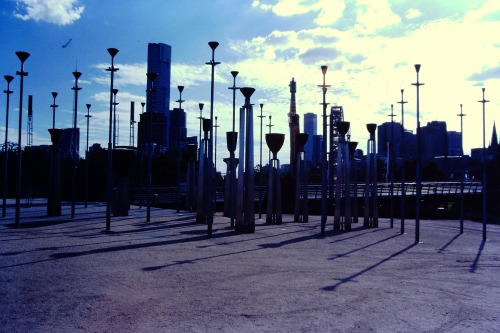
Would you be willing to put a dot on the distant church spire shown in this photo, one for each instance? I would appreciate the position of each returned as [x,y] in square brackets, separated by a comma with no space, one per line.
[493,148]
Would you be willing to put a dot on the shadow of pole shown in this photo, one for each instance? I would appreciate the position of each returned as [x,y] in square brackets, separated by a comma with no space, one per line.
[473,267]
[354,276]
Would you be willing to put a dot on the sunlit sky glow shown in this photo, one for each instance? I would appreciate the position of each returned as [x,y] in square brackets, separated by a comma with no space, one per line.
[370,47]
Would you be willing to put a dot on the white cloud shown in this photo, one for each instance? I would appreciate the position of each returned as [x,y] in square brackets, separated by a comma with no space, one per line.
[413,13]
[60,12]
[373,15]
[327,11]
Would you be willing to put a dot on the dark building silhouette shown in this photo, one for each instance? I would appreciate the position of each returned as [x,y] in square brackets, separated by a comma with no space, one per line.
[311,128]
[66,145]
[384,138]
[317,153]
[159,60]
[493,147]
[177,131]
[434,140]
[454,143]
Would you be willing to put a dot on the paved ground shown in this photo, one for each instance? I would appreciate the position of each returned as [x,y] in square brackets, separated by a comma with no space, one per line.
[166,276]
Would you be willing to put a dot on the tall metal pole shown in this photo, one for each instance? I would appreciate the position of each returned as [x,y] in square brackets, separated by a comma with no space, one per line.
[260,163]
[200,105]
[115,91]
[270,126]
[212,63]
[483,101]
[74,151]
[54,106]
[419,158]
[112,52]
[324,164]
[88,116]
[22,56]
[403,161]
[151,77]
[215,165]
[9,79]
[234,88]
[461,115]
[180,101]
[390,167]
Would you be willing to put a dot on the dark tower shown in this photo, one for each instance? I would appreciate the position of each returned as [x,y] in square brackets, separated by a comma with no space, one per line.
[159,59]
[293,122]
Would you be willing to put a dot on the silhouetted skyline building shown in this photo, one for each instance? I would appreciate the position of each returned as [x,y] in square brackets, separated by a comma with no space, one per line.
[454,143]
[158,103]
[384,137]
[311,128]
[66,145]
[177,131]
[434,138]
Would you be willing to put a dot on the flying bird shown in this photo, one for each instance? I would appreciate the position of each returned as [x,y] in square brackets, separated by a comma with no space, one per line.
[65,45]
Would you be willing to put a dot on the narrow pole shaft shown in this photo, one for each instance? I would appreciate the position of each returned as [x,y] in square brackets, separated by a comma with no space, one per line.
[484,167]
[260,167]
[418,176]
[403,162]
[324,166]
[461,171]
[6,152]
[110,152]
[150,155]
[19,150]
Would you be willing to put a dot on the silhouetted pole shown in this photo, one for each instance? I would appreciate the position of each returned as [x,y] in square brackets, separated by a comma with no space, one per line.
[403,162]
[151,78]
[274,214]
[270,127]
[73,150]
[234,88]
[88,116]
[212,63]
[390,167]
[324,164]
[342,215]
[260,165]
[461,115]
[22,57]
[215,165]
[54,106]
[9,79]
[200,105]
[112,52]
[115,91]
[180,101]
[483,101]
[232,140]
[419,161]
[301,211]
[245,217]
[371,185]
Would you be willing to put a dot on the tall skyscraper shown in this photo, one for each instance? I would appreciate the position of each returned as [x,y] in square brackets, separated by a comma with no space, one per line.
[384,137]
[311,128]
[434,140]
[157,103]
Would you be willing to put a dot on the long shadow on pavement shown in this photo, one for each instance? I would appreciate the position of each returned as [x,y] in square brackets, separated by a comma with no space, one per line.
[369,268]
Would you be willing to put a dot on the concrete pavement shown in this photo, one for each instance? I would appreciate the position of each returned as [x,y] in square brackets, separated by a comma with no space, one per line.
[63,275]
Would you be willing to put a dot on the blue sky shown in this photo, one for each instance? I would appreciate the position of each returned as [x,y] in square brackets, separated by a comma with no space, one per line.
[370,46]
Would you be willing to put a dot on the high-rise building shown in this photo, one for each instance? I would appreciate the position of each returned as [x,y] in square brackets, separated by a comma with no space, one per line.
[178,130]
[434,140]
[454,143]
[311,128]
[317,154]
[158,102]
[384,135]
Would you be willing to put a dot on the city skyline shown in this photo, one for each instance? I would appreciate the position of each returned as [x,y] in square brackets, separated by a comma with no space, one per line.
[369,46]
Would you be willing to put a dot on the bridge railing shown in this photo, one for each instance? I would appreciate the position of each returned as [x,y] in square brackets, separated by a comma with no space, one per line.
[171,194]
